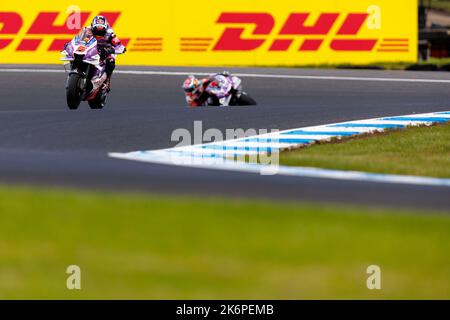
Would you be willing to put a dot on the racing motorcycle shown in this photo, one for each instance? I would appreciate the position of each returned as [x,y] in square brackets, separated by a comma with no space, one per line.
[86,79]
[226,90]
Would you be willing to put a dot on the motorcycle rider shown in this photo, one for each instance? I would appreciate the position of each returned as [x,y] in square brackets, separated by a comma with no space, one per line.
[194,89]
[107,44]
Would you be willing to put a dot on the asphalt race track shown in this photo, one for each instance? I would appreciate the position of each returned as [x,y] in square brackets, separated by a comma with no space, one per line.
[44,143]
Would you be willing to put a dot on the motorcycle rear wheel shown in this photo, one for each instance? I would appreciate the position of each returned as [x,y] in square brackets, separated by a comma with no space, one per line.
[73,92]
[246,100]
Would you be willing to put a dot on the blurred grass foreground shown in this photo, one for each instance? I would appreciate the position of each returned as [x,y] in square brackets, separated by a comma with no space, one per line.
[136,246]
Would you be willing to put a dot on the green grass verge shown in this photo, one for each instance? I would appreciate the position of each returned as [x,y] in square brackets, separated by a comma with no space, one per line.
[421,151]
[441,5]
[148,247]
[439,62]
[399,65]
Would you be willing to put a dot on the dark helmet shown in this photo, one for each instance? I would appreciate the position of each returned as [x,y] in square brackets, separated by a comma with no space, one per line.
[99,26]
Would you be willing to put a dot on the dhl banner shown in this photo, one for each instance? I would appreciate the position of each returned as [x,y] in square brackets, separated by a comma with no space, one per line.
[232,32]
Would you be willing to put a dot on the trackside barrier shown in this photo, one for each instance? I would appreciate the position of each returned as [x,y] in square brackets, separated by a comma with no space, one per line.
[232,32]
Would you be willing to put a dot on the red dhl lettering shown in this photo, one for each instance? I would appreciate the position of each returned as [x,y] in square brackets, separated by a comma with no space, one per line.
[10,22]
[45,24]
[231,38]
[295,25]
[261,25]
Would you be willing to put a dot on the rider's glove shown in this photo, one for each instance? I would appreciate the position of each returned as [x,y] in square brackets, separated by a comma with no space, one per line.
[106,51]
[102,53]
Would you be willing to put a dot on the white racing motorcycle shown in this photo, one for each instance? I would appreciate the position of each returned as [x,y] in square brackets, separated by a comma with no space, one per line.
[86,79]
[226,90]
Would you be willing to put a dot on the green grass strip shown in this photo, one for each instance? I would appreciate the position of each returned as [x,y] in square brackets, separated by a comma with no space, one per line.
[147,247]
[421,151]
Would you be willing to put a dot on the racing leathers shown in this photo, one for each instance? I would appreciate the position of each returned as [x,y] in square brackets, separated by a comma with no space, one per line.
[199,97]
[107,46]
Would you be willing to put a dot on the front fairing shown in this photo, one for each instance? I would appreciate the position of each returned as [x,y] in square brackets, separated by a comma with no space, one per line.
[220,87]
[84,45]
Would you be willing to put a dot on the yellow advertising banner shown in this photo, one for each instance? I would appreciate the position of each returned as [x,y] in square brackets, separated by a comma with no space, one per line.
[232,32]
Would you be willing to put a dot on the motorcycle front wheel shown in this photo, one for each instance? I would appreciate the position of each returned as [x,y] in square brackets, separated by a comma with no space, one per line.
[73,92]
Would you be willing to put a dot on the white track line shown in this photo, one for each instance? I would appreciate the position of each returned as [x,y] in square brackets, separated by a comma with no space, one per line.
[214,155]
[306,172]
[247,75]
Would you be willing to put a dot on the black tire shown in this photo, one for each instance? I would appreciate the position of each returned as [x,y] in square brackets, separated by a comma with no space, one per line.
[98,102]
[246,100]
[73,92]
[213,101]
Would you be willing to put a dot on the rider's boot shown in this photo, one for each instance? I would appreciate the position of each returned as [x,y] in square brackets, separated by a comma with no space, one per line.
[107,83]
